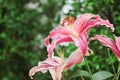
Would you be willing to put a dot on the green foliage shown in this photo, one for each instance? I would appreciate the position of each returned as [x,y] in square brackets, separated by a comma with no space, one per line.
[80,73]
[23,29]
[102,75]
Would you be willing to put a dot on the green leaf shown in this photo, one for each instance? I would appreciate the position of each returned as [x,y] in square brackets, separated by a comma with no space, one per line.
[84,73]
[101,75]
[79,74]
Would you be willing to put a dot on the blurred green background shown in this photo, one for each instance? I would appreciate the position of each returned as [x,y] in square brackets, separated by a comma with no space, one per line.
[25,23]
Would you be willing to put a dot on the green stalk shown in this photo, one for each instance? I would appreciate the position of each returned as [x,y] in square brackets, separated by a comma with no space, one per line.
[63,75]
[82,77]
[116,77]
[118,71]
[88,68]
[111,63]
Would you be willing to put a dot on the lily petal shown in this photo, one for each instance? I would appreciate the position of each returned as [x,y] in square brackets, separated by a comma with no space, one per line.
[87,21]
[108,43]
[98,21]
[104,40]
[55,42]
[47,41]
[81,42]
[80,23]
[42,67]
[45,65]
[74,58]
[56,72]
[55,61]
[117,39]
[60,31]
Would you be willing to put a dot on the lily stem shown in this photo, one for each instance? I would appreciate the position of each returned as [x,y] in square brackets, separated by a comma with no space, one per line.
[82,77]
[116,77]
[88,68]
[118,71]
[63,76]
[111,63]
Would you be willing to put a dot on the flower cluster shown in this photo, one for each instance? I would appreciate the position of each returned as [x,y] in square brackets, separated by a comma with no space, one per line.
[75,31]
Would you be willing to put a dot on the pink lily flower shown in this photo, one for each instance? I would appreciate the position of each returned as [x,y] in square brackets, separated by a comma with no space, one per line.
[113,45]
[74,31]
[56,65]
